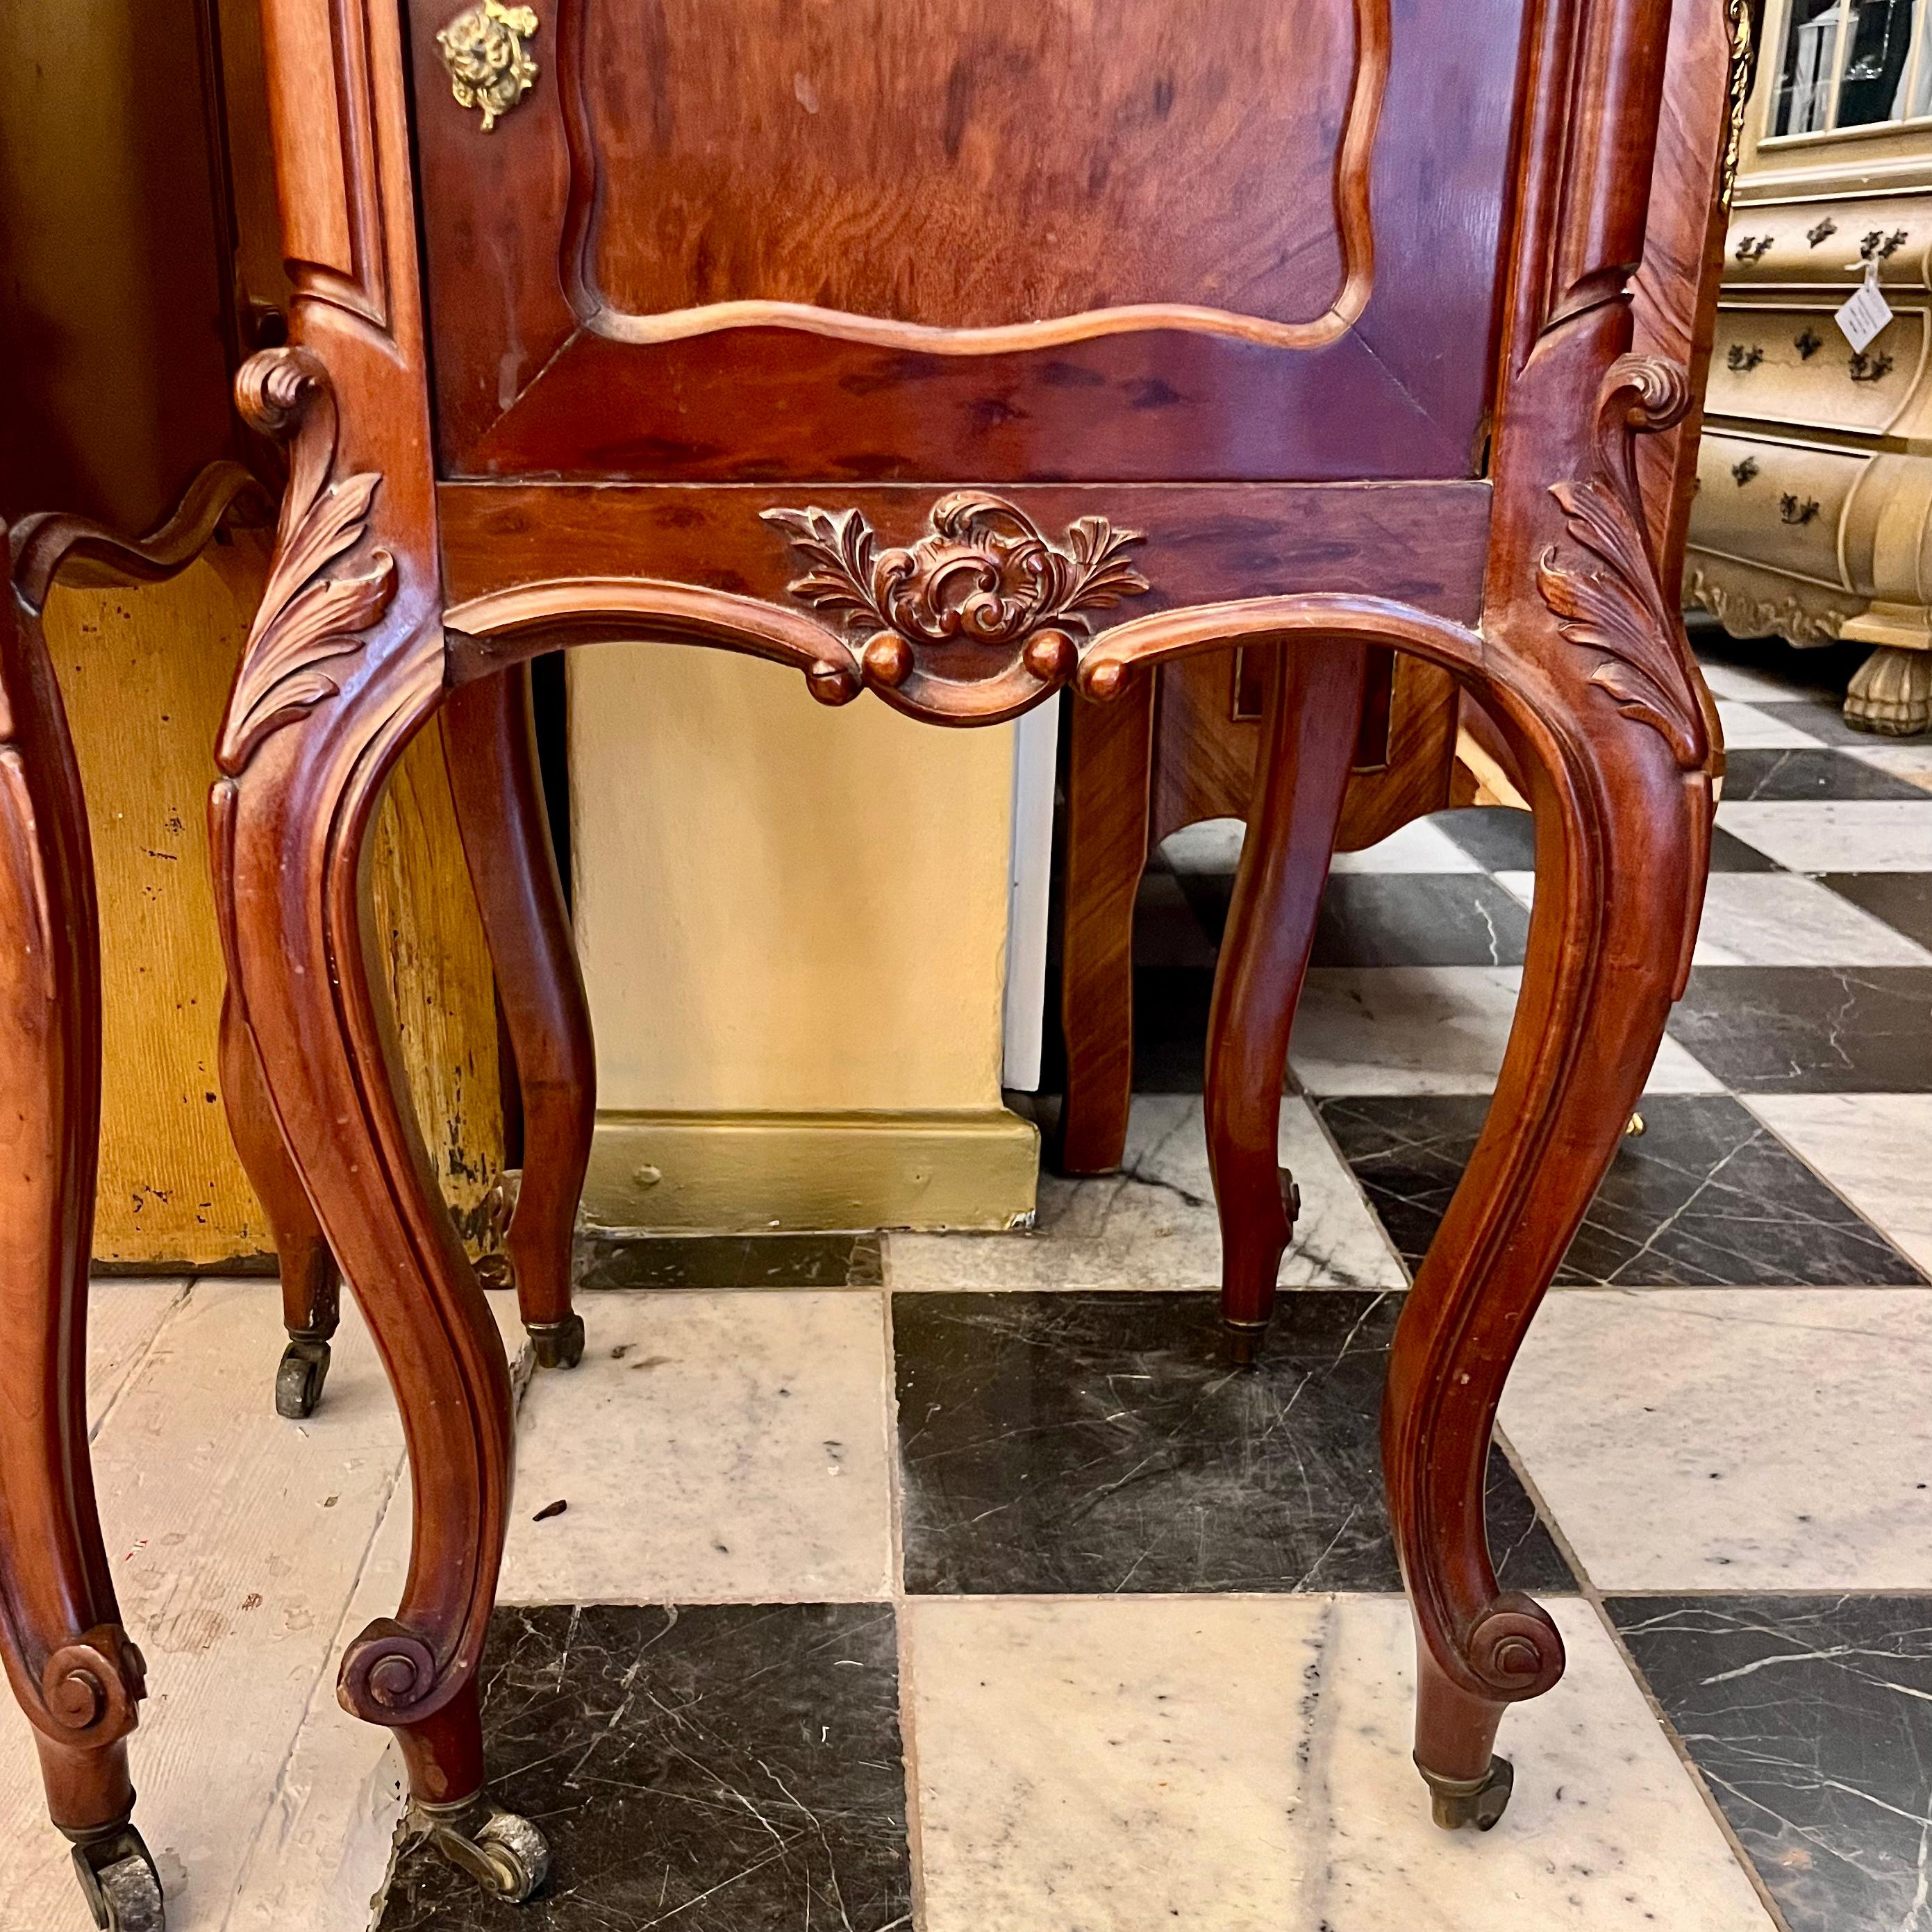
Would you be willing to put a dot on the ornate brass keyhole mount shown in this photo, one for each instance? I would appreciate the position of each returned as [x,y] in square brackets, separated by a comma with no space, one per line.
[485,49]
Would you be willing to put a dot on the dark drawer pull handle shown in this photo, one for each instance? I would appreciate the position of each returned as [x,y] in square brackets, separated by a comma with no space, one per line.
[1741,473]
[1808,344]
[1741,361]
[1869,368]
[1878,246]
[1793,512]
[1825,230]
[1754,248]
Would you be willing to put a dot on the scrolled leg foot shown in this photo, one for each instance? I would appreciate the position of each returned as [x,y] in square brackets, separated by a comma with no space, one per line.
[1480,1802]
[298,1382]
[505,1854]
[1891,693]
[558,1345]
[118,1880]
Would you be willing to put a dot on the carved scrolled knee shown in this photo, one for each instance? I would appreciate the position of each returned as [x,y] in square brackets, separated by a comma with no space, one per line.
[389,1675]
[1515,1651]
[91,1689]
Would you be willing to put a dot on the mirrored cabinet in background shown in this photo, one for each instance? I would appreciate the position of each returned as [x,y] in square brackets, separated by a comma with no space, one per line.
[1813,515]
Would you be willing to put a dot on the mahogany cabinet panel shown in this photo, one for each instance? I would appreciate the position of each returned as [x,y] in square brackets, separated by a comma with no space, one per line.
[746,240]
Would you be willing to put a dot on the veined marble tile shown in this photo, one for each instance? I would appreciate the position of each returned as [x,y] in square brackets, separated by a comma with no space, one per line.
[1810,1718]
[1906,758]
[1420,846]
[1102,1443]
[1810,1029]
[1114,1764]
[1747,727]
[1820,772]
[1779,918]
[711,1448]
[1213,845]
[1903,900]
[1427,1030]
[1154,1225]
[1745,1439]
[1852,835]
[1875,1149]
[729,1768]
[1707,1195]
[1746,685]
[1445,919]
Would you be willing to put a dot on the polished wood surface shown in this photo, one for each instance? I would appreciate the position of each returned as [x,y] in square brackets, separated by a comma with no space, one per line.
[634,197]
[961,601]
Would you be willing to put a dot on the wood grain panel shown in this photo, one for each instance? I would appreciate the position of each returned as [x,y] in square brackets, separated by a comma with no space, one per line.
[1014,223]
[1423,542]
[969,165]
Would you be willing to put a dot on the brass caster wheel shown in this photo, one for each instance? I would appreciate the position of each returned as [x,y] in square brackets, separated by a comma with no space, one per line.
[1244,1342]
[507,1855]
[560,1345]
[298,1381]
[1480,1801]
[118,1880]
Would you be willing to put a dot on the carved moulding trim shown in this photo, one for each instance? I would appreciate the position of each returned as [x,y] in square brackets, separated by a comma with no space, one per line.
[1744,616]
[309,619]
[1622,610]
[1354,155]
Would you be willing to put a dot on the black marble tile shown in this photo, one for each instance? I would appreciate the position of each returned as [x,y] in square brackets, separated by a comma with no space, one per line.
[1502,841]
[1419,919]
[1389,919]
[1820,714]
[1811,1720]
[1793,773]
[1704,1196]
[729,1261]
[1499,840]
[1810,1029]
[1095,1443]
[733,1768]
[1903,900]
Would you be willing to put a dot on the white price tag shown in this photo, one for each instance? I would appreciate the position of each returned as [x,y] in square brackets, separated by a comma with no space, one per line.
[1864,317]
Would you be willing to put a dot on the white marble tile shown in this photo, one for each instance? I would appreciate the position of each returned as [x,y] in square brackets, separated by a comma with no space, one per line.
[1418,847]
[1213,845]
[1875,1149]
[1746,727]
[1731,682]
[1836,835]
[1153,1224]
[1907,758]
[1427,1030]
[1735,1439]
[724,1447]
[1242,1763]
[235,1539]
[1778,918]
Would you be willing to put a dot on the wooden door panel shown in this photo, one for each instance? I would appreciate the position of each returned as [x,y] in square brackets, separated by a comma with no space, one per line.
[757,241]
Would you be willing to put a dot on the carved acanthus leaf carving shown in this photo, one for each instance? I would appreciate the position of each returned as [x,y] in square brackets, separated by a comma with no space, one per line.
[308,619]
[982,588]
[1622,610]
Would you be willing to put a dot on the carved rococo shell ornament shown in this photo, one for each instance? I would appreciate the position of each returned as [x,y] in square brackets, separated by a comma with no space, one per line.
[982,603]
[490,66]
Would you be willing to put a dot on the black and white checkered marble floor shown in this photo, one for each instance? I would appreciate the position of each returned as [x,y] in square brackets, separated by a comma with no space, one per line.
[954,1583]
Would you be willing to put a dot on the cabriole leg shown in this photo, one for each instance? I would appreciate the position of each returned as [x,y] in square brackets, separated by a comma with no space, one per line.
[1621,852]
[76,1675]
[1311,716]
[311,1286]
[494,774]
[332,687]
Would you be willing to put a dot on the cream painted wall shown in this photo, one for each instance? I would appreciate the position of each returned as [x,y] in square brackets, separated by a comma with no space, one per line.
[782,908]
